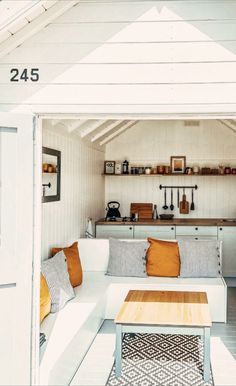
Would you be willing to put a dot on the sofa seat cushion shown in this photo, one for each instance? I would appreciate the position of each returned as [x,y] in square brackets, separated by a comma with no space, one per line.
[69,331]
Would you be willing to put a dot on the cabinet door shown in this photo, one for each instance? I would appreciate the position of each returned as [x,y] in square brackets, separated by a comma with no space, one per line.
[196,237]
[115,231]
[228,236]
[157,232]
[196,231]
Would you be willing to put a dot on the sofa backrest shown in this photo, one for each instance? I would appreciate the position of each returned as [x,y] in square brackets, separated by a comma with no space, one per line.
[94,254]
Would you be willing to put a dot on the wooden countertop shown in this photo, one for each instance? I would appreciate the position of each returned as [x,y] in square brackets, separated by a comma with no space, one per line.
[174,221]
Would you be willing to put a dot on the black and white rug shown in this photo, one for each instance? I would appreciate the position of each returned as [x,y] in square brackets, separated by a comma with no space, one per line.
[160,360]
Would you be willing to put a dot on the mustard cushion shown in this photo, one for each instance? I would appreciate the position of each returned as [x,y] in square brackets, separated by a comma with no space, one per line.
[45,299]
[73,263]
[163,258]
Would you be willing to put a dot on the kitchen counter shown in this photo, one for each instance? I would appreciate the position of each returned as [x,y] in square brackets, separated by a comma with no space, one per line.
[174,221]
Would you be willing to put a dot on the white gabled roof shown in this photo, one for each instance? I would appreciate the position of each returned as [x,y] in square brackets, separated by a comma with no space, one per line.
[20,19]
[15,14]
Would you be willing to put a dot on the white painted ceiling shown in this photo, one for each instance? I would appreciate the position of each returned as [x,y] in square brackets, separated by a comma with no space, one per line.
[102,132]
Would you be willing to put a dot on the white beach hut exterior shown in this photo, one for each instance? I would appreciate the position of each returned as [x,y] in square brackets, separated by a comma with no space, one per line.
[93,69]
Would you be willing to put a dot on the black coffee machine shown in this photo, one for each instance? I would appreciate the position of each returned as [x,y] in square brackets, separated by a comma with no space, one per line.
[112,211]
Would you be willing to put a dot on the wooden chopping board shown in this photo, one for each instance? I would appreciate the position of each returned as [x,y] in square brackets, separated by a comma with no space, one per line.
[144,210]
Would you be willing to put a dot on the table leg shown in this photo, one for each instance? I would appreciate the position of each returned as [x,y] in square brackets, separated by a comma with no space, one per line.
[118,350]
[206,354]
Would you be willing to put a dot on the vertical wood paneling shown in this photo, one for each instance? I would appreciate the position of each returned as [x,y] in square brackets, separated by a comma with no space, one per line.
[82,190]
[153,142]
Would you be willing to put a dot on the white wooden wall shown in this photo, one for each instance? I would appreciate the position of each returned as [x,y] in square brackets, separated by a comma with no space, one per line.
[82,190]
[130,57]
[153,142]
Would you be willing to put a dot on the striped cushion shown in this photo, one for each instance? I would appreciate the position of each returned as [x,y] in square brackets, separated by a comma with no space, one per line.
[55,272]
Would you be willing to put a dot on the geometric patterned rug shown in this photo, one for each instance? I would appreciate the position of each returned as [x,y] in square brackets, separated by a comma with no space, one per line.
[160,360]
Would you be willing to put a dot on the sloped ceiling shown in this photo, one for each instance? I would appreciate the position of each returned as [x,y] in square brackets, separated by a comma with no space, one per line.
[96,131]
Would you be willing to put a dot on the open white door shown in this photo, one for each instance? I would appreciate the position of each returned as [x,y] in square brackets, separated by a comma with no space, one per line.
[16,247]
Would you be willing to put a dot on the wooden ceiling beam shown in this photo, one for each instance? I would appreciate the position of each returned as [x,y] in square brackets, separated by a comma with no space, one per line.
[127,126]
[106,130]
[76,125]
[228,124]
[91,128]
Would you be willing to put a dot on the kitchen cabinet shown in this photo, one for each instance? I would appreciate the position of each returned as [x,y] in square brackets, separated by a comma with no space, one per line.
[228,236]
[115,231]
[160,232]
[196,232]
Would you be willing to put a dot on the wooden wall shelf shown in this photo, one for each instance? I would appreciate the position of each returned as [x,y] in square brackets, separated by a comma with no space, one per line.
[169,175]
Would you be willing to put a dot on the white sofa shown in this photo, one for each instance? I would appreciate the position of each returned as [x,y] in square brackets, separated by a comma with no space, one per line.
[70,332]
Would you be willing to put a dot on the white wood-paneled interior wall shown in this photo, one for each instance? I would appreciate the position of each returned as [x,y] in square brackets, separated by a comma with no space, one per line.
[153,142]
[82,189]
[129,57]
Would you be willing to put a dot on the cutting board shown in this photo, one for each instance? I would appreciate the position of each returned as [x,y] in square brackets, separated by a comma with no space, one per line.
[144,210]
[184,205]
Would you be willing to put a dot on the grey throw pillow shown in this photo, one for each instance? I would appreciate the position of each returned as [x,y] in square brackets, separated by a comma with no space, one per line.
[127,258]
[56,275]
[199,258]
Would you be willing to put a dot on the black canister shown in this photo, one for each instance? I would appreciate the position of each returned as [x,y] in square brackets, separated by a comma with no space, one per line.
[125,167]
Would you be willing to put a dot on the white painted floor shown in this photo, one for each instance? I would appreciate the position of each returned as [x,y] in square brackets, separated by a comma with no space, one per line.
[97,364]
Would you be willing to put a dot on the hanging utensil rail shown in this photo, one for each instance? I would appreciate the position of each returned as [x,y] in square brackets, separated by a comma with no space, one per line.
[178,187]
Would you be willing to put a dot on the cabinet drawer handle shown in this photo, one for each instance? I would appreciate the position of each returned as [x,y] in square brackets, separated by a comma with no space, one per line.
[220,229]
[196,229]
[196,238]
[130,228]
[172,228]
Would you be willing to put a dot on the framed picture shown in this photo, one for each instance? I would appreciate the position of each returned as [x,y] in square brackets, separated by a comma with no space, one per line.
[109,167]
[178,164]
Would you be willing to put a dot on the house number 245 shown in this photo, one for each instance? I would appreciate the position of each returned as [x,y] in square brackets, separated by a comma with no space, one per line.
[26,75]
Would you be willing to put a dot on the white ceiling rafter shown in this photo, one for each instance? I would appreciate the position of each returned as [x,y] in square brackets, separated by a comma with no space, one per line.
[106,130]
[76,125]
[55,122]
[230,125]
[91,128]
[127,126]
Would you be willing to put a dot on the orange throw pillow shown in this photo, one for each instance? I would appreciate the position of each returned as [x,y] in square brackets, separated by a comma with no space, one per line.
[73,263]
[163,258]
[45,298]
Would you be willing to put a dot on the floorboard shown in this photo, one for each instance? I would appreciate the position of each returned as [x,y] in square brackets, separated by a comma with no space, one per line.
[96,366]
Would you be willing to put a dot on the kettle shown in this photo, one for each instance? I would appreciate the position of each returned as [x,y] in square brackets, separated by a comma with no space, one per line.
[113,210]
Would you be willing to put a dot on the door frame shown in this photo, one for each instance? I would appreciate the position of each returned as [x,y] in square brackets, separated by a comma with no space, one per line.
[38,130]
[37,237]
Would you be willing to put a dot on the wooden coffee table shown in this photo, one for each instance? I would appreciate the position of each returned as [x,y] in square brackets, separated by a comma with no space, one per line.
[164,312]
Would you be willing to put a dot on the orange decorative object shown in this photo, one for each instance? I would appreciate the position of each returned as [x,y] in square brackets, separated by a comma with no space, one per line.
[73,263]
[163,258]
[45,299]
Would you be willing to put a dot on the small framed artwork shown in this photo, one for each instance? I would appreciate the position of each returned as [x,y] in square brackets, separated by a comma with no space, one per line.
[178,164]
[109,167]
